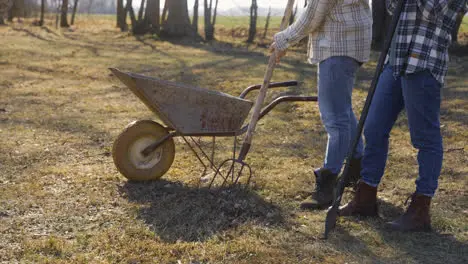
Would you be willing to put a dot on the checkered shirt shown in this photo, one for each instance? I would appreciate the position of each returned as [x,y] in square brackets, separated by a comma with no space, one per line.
[423,35]
[335,28]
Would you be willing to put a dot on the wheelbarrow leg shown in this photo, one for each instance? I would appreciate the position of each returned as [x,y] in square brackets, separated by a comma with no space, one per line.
[205,167]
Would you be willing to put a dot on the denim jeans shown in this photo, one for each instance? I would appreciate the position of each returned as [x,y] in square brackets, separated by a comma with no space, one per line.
[335,86]
[419,93]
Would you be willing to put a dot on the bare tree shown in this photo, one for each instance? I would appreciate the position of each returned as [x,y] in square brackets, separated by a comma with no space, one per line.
[63,14]
[253,21]
[210,19]
[152,15]
[41,20]
[75,5]
[121,16]
[195,16]
[147,20]
[140,11]
[164,13]
[131,12]
[177,23]
[267,23]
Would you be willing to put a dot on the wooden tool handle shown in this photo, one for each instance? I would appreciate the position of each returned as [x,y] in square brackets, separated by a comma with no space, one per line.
[262,93]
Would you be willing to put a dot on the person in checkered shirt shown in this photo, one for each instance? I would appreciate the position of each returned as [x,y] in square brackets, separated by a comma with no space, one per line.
[412,80]
[339,42]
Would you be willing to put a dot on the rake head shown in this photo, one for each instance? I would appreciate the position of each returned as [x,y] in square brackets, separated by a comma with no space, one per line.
[231,172]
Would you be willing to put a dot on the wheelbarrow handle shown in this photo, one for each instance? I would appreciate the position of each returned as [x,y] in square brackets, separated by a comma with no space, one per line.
[271,85]
[262,93]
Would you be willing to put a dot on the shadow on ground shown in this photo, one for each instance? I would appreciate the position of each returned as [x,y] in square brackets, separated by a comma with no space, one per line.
[438,246]
[177,212]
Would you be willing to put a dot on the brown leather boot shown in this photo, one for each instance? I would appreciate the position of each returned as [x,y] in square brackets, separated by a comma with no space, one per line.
[322,196]
[416,218]
[364,202]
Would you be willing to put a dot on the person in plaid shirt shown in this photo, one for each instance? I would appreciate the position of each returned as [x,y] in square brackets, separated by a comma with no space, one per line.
[339,42]
[412,80]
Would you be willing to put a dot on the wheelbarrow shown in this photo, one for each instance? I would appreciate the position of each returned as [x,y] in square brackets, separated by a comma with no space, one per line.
[145,149]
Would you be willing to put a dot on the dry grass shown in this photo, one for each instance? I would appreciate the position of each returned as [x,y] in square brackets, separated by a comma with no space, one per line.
[63,201]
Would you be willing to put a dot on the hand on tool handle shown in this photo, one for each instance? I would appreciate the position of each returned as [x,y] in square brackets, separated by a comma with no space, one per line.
[279,53]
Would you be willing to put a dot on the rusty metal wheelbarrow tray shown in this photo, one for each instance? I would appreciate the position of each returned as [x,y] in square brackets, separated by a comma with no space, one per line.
[189,110]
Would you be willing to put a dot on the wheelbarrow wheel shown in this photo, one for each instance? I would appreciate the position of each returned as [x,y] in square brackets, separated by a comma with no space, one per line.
[128,146]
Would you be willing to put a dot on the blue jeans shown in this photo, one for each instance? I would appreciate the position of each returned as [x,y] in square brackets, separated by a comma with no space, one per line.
[335,86]
[419,93]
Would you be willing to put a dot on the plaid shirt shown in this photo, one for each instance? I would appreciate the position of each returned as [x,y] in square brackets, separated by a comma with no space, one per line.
[335,28]
[424,35]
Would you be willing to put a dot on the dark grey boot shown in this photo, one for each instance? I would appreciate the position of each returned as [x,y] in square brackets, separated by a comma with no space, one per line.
[323,194]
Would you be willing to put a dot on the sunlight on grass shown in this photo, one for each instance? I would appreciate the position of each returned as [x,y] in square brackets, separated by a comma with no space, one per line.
[63,201]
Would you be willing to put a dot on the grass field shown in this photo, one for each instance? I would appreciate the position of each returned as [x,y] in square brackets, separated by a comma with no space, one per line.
[63,201]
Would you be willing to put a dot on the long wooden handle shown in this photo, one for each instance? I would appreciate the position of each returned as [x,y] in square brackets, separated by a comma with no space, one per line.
[262,93]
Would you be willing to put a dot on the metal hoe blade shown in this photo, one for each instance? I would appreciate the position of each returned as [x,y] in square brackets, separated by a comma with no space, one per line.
[332,214]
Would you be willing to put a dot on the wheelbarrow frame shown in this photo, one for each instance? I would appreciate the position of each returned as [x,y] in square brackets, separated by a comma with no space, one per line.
[188,138]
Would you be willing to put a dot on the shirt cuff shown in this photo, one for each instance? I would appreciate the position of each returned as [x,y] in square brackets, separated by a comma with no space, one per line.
[281,41]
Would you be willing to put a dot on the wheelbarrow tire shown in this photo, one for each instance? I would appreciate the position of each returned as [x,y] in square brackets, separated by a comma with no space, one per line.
[127,148]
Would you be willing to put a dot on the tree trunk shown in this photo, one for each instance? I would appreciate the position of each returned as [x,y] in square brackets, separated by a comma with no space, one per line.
[458,23]
[119,12]
[164,13]
[208,29]
[253,21]
[140,11]
[381,19]
[2,21]
[75,5]
[63,15]
[213,23]
[129,9]
[267,23]
[152,15]
[195,16]
[41,20]
[210,19]
[177,23]
[124,25]
[124,20]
